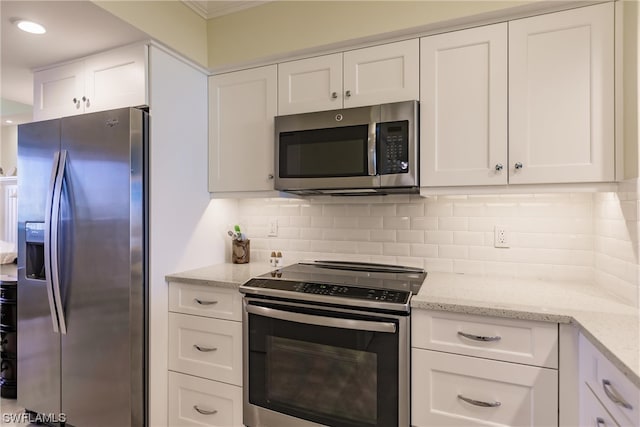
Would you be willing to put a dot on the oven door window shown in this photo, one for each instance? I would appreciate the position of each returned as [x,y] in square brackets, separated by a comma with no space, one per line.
[324,153]
[329,375]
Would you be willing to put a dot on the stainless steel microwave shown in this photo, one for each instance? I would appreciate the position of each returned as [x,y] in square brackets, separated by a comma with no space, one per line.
[364,150]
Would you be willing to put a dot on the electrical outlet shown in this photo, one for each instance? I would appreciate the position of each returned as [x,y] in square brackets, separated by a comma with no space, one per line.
[500,236]
[273,227]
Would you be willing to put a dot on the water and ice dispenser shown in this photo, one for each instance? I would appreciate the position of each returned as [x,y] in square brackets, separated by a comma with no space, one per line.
[34,255]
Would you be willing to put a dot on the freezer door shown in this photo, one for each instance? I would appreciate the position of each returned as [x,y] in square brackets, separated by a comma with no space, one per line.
[101,247]
[38,343]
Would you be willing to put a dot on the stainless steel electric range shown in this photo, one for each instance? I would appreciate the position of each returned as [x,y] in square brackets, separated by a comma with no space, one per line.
[327,343]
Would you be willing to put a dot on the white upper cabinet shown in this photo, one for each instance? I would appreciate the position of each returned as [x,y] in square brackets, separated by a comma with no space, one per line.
[382,74]
[312,84]
[559,110]
[463,109]
[242,106]
[114,79]
[561,105]
[369,76]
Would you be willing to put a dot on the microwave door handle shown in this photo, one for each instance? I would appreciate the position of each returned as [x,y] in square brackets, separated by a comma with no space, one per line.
[371,145]
[333,322]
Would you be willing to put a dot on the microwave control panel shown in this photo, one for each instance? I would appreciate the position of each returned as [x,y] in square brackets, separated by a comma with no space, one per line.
[393,148]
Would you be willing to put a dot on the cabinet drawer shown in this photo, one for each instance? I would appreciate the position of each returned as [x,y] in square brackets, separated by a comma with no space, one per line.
[520,395]
[592,413]
[520,341]
[208,348]
[209,301]
[609,384]
[197,402]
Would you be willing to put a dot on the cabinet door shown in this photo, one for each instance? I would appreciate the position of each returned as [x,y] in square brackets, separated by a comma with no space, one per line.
[116,79]
[242,106]
[561,91]
[58,91]
[381,74]
[208,348]
[592,413]
[463,101]
[452,390]
[195,401]
[313,84]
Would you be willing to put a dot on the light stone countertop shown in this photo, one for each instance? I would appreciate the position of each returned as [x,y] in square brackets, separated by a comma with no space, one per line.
[225,275]
[612,326]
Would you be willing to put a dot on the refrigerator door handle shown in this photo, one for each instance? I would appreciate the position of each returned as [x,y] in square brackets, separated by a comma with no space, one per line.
[55,226]
[47,240]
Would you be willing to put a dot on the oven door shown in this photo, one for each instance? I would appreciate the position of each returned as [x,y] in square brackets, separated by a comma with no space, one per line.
[308,365]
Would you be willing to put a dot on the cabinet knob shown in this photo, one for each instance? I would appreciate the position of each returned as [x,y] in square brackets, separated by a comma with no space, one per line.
[348,94]
[518,165]
[76,102]
[600,422]
[270,176]
[499,167]
[334,95]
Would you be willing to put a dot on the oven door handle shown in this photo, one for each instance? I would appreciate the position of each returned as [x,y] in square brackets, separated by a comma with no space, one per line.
[332,322]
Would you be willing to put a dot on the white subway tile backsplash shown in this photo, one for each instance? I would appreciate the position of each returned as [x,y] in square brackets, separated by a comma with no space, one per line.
[453,251]
[369,248]
[345,222]
[410,236]
[383,210]
[592,237]
[371,222]
[439,236]
[424,250]
[383,236]
[453,223]
[397,249]
[322,221]
[470,238]
[424,223]
[396,222]
[358,210]
[410,209]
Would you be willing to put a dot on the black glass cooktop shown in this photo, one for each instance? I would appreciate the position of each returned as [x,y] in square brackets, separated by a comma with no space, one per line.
[373,284]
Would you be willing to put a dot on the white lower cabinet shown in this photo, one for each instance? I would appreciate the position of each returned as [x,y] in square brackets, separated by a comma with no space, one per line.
[454,390]
[195,401]
[205,356]
[602,381]
[592,412]
[477,371]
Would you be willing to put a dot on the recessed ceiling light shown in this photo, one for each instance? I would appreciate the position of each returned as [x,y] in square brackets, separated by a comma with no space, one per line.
[29,26]
[8,121]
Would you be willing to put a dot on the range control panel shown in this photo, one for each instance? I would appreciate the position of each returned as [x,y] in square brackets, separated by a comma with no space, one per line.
[351,292]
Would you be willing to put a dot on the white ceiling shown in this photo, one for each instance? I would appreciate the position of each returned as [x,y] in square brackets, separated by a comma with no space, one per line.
[74,29]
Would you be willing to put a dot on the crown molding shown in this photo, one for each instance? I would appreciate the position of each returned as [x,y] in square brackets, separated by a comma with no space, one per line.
[213,9]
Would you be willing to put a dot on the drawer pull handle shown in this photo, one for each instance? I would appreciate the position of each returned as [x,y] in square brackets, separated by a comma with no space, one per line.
[204,411]
[614,396]
[600,422]
[201,302]
[204,349]
[479,337]
[479,402]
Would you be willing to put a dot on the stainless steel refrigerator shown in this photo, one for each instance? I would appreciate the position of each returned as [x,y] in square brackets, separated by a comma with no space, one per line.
[82,268]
